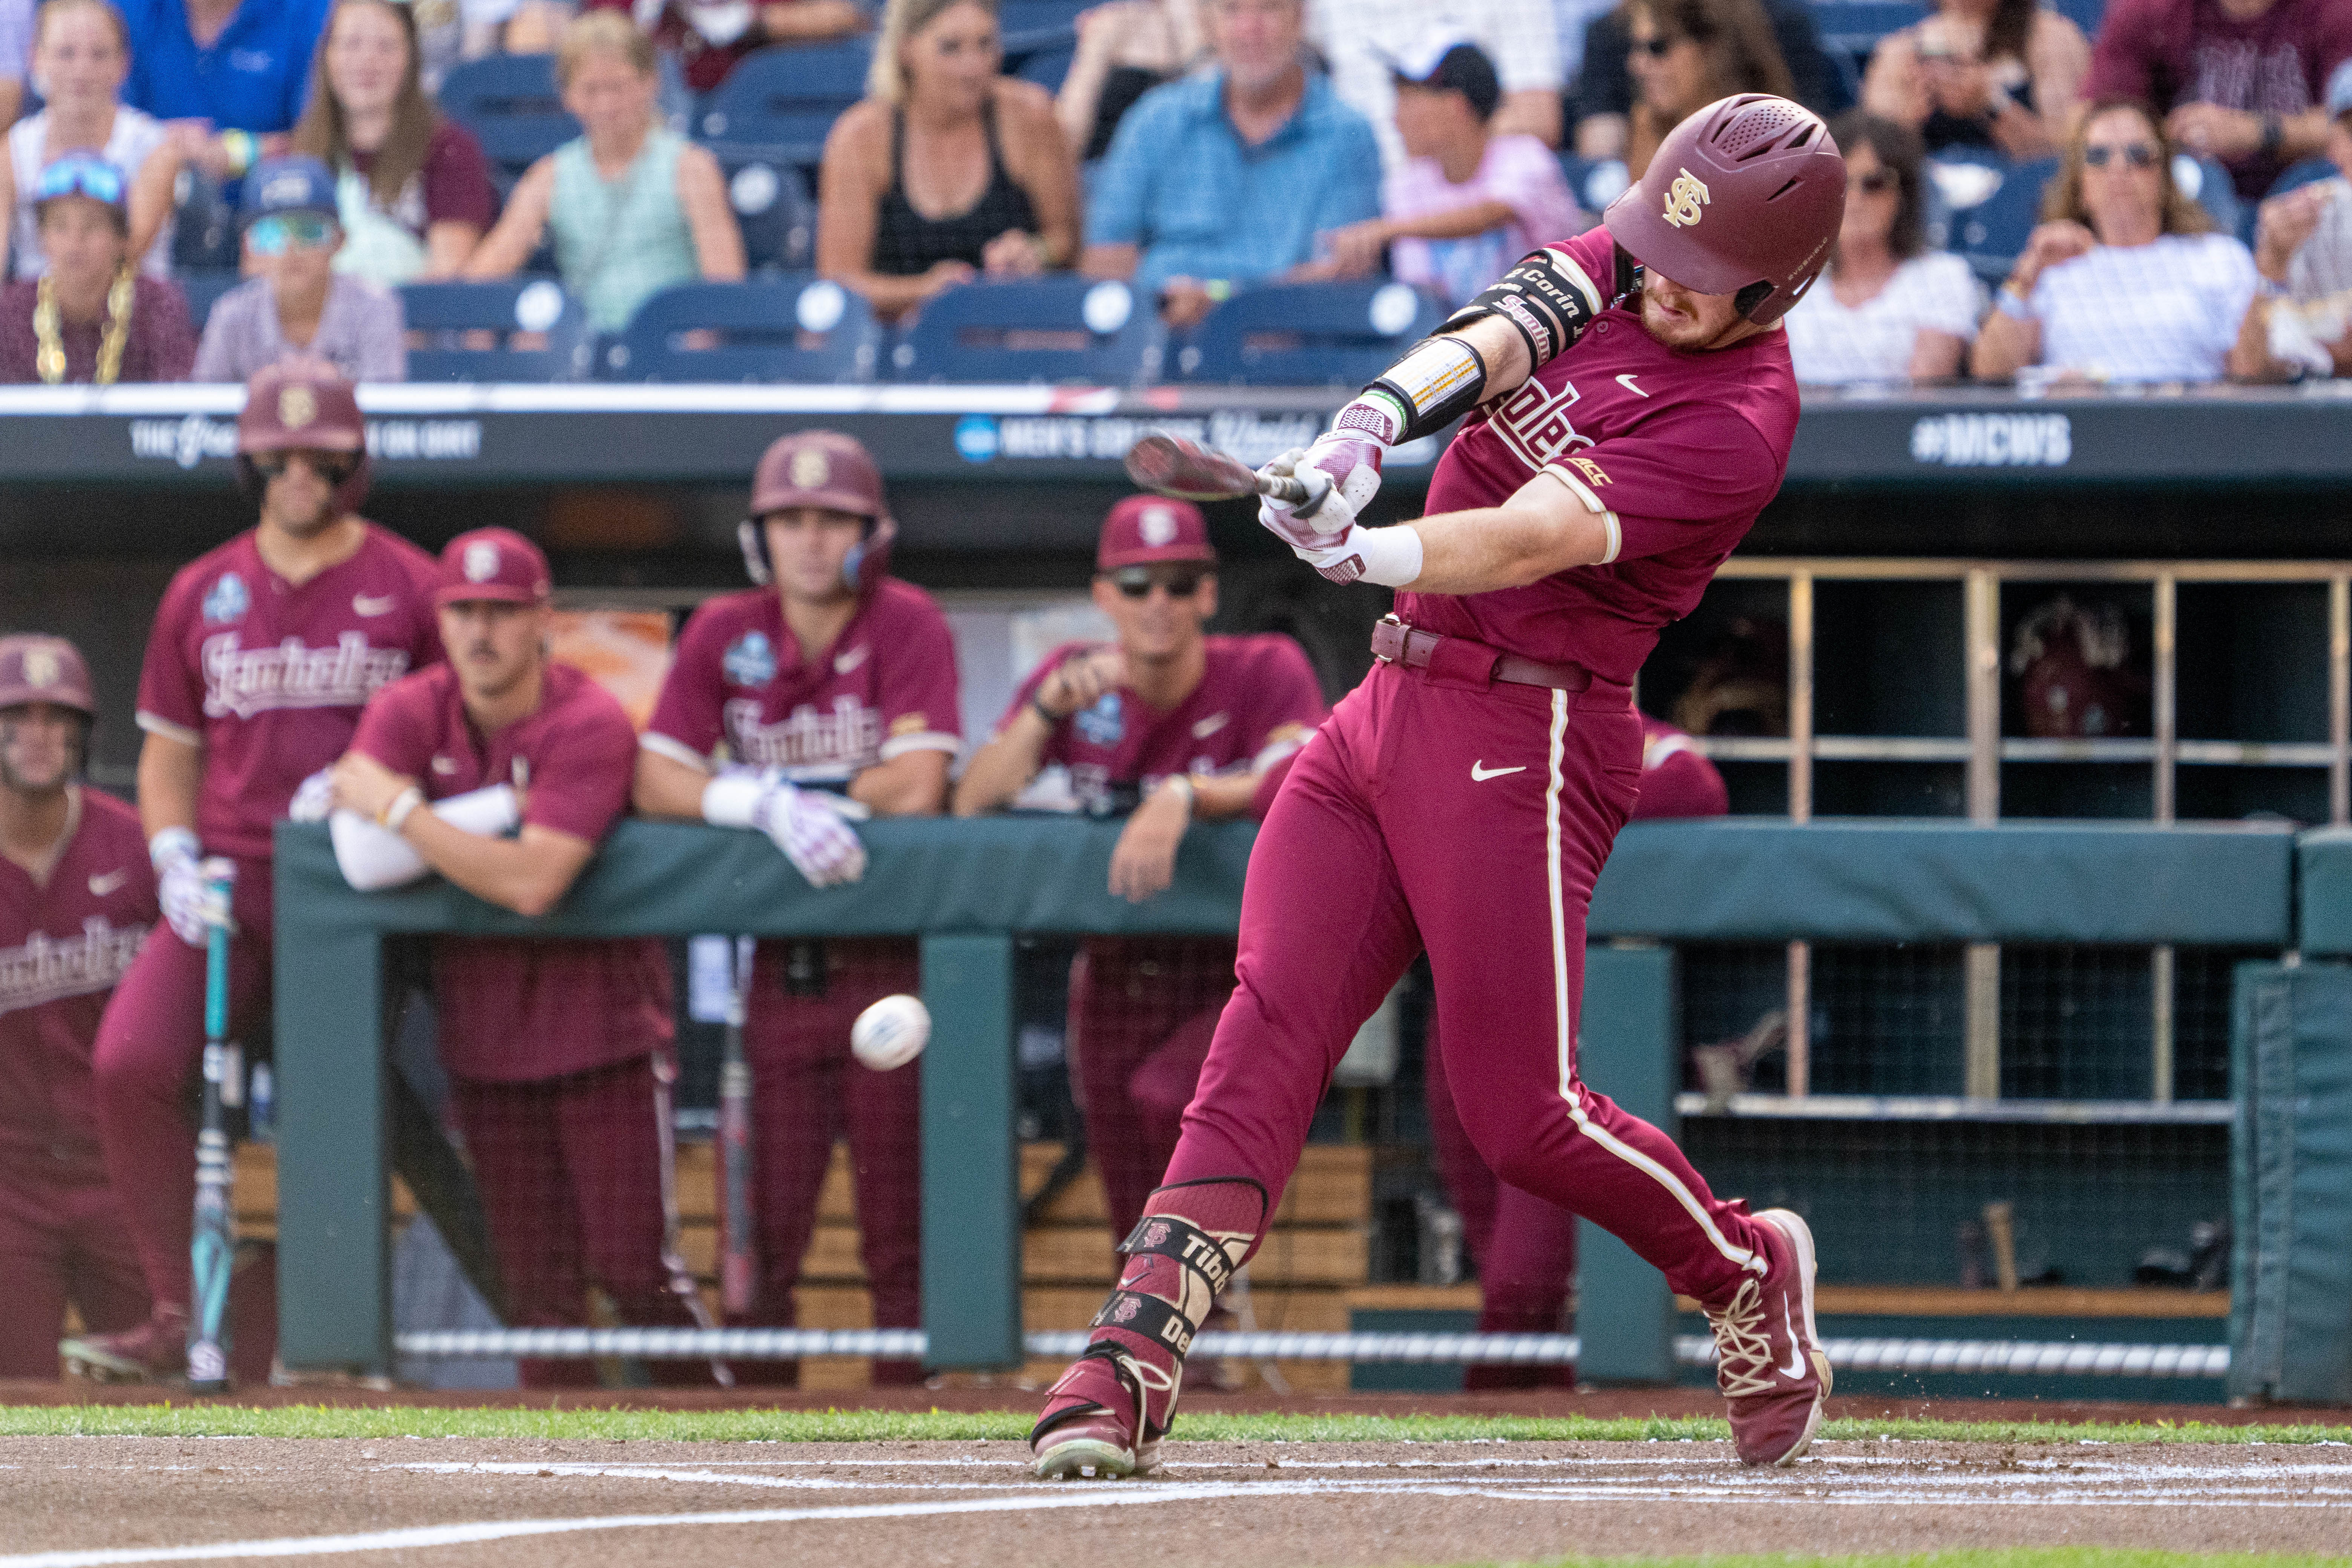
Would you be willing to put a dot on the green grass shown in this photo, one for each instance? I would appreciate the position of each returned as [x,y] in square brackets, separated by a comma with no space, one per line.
[2005,1557]
[193,1420]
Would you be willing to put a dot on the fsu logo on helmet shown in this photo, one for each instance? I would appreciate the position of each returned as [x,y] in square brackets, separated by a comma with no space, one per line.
[42,666]
[1157,527]
[1683,199]
[297,407]
[809,468]
[481,561]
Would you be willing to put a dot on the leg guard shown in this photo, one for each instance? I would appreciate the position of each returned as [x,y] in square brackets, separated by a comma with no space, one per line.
[1108,1414]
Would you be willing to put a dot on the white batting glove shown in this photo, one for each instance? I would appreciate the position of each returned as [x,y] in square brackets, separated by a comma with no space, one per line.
[1349,466]
[313,798]
[811,827]
[1390,557]
[188,904]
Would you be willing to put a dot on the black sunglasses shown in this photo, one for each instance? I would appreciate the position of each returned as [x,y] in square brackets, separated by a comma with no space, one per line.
[1657,49]
[332,467]
[1876,183]
[1136,582]
[2139,156]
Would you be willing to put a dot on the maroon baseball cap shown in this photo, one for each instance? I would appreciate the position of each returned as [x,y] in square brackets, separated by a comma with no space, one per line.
[492,563]
[45,669]
[1143,530]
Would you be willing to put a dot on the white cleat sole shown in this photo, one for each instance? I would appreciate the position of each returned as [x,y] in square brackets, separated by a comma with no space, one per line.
[1083,1460]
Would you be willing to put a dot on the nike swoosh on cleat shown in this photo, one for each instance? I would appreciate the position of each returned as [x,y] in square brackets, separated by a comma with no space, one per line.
[1480,773]
[1796,1367]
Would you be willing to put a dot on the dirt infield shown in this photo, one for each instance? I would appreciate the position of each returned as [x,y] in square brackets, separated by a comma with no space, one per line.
[86,1502]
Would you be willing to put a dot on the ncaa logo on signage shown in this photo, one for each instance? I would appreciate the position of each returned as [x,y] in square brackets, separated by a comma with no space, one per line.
[1683,199]
[481,561]
[1158,526]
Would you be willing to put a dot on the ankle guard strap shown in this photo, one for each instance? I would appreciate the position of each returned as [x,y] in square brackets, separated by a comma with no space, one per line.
[1168,1235]
[1155,1319]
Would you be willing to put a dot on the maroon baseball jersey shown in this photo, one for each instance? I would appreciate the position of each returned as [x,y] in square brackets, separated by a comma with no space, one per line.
[63,944]
[515,1010]
[1257,702]
[1681,450]
[885,688]
[268,676]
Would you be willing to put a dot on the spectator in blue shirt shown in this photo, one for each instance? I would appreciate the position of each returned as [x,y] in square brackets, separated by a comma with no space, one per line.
[235,73]
[1229,176]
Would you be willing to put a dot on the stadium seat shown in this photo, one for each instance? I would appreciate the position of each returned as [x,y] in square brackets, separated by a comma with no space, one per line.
[2311,171]
[2084,14]
[449,314]
[771,205]
[786,98]
[204,233]
[1593,182]
[1991,233]
[1851,28]
[1017,17]
[798,328]
[510,104]
[1309,334]
[1047,67]
[2205,181]
[1050,330]
[203,289]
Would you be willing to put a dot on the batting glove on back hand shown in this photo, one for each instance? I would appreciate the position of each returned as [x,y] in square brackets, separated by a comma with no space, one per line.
[1348,464]
[811,827]
[313,798]
[188,904]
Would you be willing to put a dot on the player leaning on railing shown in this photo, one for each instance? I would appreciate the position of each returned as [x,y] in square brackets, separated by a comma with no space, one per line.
[1631,407]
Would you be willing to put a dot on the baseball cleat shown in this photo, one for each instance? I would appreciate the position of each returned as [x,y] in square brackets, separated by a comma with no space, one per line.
[155,1351]
[1092,1448]
[1769,1358]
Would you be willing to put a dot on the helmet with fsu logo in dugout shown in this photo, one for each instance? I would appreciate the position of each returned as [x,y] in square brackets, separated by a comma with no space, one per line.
[302,406]
[827,469]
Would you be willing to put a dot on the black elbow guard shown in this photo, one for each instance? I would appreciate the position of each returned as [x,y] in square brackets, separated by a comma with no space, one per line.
[1547,298]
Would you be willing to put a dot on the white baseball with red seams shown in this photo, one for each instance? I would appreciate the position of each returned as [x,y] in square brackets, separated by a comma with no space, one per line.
[891,1033]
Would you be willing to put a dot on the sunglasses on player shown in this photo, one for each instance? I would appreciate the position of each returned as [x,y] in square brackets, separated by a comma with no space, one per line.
[2138,155]
[332,467]
[281,232]
[1136,583]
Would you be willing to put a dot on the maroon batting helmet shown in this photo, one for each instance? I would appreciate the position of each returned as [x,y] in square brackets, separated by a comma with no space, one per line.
[827,470]
[1742,198]
[45,669]
[307,405]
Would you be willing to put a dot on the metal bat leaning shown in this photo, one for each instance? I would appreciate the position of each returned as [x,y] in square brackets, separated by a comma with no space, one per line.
[1173,465]
[213,1245]
[736,1263]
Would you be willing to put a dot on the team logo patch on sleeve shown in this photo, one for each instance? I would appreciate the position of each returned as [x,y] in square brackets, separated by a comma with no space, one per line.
[1104,724]
[227,600]
[751,661]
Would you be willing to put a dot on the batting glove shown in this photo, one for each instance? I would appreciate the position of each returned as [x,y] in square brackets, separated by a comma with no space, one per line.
[188,904]
[313,798]
[1390,557]
[811,827]
[1347,469]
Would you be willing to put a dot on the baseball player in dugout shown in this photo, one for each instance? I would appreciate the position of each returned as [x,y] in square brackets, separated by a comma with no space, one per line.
[1628,407]
[822,695]
[502,770]
[76,900]
[1168,725]
[262,654]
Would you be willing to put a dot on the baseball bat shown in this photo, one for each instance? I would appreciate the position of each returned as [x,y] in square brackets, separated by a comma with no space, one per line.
[1187,470]
[673,1254]
[735,1265]
[212,1244]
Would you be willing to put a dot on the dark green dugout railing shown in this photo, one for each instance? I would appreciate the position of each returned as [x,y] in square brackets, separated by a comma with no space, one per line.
[966,889]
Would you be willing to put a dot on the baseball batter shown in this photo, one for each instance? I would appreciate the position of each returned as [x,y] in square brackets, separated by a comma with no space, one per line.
[557,1051]
[1172,726]
[262,654]
[1632,407]
[823,694]
[76,900]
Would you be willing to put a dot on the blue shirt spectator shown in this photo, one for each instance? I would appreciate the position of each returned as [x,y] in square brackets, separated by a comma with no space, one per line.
[1228,177]
[254,75]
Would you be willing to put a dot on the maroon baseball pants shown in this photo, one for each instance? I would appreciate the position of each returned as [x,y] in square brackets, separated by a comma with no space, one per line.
[569,1173]
[807,1090]
[1143,1012]
[150,1039]
[61,1240]
[1438,810]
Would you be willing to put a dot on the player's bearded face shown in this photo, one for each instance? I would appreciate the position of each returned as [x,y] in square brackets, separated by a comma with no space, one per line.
[493,643]
[808,546]
[301,497]
[1685,318]
[39,747]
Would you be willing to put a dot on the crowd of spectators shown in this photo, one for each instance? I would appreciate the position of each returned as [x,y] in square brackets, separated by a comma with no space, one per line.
[1192,148]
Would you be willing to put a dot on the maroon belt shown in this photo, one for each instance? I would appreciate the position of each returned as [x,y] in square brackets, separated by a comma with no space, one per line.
[1396,642]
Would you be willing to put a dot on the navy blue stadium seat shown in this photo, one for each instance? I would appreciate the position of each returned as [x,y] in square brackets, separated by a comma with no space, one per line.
[1851,28]
[1309,334]
[1990,234]
[1017,17]
[799,328]
[510,104]
[2207,183]
[771,205]
[2084,14]
[1593,182]
[2311,171]
[1045,329]
[1046,66]
[452,317]
[786,96]
[204,236]
[204,289]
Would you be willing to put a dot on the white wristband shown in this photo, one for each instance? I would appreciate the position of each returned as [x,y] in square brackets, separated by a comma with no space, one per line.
[406,802]
[732,799]
[169,844]
[1391,555]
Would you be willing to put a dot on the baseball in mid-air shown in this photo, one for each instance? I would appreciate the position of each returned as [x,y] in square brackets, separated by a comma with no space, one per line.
[891,1033]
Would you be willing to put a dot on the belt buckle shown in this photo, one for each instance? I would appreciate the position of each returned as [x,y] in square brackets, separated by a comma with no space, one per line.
[1405,637]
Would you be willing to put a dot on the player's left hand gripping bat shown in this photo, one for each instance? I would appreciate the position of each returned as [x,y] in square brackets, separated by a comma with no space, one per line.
[212,1241]
[736,1262]
[1173,466]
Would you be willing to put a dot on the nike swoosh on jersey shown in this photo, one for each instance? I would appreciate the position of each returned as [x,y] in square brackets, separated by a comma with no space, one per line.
[445,765]
[374,605]
[1796,1367]
[107,882]
[1480,773]
[845,662]
[1211,725]
[1626,381]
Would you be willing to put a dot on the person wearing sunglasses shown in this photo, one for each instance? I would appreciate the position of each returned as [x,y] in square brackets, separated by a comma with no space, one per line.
[81,56]
[1685,54]
[1891,309]
[297,304]
[91,316]
[1167,725]
[2123,280]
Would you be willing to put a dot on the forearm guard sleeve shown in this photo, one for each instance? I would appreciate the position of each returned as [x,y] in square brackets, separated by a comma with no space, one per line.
[1438,381]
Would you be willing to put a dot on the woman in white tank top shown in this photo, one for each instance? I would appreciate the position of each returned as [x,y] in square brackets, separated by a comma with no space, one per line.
[81,56]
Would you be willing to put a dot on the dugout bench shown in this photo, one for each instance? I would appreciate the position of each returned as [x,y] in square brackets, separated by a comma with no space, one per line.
[964,888]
